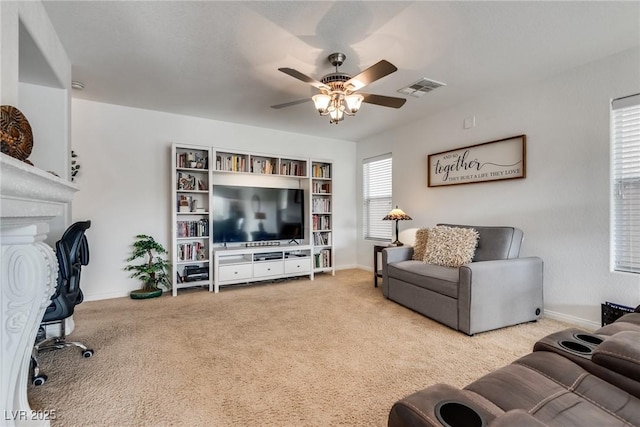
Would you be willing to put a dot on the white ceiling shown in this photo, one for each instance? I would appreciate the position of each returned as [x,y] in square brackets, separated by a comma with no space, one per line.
[220,59]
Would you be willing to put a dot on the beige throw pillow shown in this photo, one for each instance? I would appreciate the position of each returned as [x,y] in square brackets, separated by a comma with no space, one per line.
[420,244]
[450,246]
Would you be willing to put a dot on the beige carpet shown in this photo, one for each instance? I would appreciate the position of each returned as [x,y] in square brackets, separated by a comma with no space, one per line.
[326,352]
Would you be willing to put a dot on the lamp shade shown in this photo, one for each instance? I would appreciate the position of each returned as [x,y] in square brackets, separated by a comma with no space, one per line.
[397,214]
[321,102]
[353,102]
[336,115]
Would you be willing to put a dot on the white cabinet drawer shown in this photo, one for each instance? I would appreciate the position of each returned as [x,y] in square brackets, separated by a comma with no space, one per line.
[266,269]
[297,265]
[234,272]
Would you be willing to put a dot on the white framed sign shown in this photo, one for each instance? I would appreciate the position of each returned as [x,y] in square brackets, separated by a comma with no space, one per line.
[489,161]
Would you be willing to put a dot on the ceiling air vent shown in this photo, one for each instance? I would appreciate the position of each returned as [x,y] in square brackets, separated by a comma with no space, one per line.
[420,87]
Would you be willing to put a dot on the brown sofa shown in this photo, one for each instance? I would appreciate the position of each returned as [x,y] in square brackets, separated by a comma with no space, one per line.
[572,378]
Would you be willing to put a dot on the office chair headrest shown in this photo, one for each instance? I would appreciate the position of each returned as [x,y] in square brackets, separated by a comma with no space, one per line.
[64,264]
[83,251]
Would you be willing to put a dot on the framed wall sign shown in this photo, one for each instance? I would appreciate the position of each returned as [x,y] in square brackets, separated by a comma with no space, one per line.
[490,161]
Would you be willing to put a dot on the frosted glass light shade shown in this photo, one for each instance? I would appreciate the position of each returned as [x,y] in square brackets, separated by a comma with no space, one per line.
[321,102]
[336,115]
[354,102]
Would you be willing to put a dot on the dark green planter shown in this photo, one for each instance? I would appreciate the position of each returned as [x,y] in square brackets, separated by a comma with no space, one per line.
[144,294]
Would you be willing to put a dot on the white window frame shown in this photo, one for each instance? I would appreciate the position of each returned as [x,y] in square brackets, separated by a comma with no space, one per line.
[625,185]
[377,195]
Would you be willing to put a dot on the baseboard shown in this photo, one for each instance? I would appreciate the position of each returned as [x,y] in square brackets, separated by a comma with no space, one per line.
[347,267]
[109,295]
[577,321]
[363,267]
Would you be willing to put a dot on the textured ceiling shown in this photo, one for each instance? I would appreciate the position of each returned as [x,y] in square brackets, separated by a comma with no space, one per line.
[220,60]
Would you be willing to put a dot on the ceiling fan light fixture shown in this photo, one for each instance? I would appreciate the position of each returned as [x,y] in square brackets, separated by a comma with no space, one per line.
[337,97]
[336,115]
[354,102]
[321,101]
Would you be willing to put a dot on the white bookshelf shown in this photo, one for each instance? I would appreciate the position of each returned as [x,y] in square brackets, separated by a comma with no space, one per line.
[191,217]
[321,187]
[196,169]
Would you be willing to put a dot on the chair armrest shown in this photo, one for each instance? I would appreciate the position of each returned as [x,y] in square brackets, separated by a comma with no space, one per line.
[620,353]
[421,408]
[396,254]
[389,256]
[494,294]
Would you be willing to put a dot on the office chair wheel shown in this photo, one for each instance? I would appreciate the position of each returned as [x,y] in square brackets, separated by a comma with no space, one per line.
[39,380]
[87,353]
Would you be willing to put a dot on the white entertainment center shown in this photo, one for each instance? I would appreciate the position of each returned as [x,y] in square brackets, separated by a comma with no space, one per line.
[199,259]
[244,265]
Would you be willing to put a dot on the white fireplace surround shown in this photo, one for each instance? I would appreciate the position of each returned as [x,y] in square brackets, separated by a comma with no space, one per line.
[29,199]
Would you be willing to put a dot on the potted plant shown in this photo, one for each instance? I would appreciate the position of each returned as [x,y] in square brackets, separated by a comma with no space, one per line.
[154,272]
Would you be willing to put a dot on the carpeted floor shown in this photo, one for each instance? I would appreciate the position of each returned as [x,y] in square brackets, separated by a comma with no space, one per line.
[327,352]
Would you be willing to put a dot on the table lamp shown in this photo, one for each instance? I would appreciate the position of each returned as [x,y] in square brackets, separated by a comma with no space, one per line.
[398,215]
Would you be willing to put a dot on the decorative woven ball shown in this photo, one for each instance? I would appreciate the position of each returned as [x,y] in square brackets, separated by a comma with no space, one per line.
[15,133]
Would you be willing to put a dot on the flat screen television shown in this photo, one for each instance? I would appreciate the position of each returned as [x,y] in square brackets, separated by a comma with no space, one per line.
[254,214]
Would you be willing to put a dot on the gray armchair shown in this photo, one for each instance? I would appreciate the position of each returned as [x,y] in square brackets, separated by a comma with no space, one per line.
[495,290]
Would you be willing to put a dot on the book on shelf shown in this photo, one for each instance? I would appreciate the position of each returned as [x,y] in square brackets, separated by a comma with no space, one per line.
[191,160]
[193,251]
[292,168]
[323,258]
[321,187]
[199,228]
[321,205]
[264,166]
[321,222]
[321,170]
[231,163]
[322,239]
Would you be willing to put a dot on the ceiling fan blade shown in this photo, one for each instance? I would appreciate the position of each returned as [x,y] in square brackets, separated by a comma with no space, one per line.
[385,101]
[303,77]
[371,74]
[289,104]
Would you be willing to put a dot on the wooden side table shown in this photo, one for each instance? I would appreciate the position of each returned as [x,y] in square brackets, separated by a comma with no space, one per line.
[377,272]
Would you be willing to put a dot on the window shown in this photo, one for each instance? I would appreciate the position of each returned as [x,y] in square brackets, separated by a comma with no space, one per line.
[625,188]
[377,195]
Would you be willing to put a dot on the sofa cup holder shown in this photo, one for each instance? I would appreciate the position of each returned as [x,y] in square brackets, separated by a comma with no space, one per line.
[590,339]
[456,414]
[576,347]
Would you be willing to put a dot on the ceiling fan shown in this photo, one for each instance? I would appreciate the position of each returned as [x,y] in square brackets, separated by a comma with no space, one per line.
[339,91]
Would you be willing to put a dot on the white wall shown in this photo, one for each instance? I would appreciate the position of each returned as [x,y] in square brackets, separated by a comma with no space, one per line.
[125,178]
[35,77]
[562,205]
[47,109]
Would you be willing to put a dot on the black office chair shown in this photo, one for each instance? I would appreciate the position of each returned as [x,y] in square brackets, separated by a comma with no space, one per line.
[72,251]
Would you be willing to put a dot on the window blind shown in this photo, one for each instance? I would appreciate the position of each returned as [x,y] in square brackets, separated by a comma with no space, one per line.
[378,200]
[625,179]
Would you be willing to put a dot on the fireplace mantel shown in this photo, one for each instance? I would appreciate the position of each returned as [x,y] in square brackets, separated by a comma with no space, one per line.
[29,198]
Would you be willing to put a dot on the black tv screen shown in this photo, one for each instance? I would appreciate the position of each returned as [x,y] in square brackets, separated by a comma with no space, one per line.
[255,214]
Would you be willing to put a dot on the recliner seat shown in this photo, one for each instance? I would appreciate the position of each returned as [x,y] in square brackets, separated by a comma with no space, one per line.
[552,386]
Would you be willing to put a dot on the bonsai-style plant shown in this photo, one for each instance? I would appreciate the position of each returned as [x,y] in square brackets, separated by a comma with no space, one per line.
[153,272]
